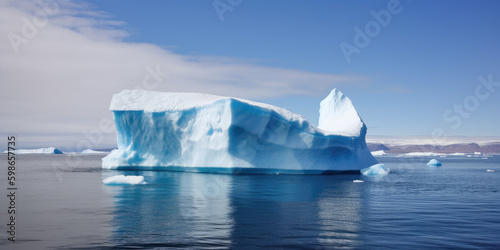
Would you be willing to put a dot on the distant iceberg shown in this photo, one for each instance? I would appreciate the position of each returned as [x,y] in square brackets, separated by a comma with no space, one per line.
[377,169]
[208,133]
[378,152]
[434,162]
[93,152]
[50,150]
[124,180]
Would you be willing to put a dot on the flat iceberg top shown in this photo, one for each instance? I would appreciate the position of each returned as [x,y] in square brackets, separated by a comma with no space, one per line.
[152,101]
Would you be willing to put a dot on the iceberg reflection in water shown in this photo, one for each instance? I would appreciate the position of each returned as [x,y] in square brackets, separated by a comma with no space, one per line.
[179,209]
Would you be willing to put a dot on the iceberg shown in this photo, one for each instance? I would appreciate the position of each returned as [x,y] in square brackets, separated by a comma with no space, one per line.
[434,163]
[208,133]
[124,180]
[377,169]
[379,152]
[50,150]
[93,152]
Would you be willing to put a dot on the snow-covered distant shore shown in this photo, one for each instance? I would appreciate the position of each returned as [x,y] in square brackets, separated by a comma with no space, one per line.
[382,153]
[428,140]
[456,148]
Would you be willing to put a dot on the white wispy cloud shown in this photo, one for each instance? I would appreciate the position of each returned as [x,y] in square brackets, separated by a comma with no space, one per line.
[64,73]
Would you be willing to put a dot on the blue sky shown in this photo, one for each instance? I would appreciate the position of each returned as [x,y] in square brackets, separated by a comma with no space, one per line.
[405,81]
[426,59]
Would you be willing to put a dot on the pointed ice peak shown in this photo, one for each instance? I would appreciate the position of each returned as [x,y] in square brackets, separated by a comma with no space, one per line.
[338,116]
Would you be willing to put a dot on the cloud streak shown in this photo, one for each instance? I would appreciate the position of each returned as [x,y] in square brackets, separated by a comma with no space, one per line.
[62,79]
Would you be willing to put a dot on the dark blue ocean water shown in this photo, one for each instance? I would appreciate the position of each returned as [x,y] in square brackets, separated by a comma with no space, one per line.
[62,203]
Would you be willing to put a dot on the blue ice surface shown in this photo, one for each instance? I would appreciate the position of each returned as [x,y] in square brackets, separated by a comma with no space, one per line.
[235,137]
[434,163]
[377,169]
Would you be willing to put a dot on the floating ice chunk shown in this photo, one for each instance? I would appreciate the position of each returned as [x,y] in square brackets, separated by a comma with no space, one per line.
[124,180]
[477,153]
[358,181]
[434,163]
[490,170]
[377,169]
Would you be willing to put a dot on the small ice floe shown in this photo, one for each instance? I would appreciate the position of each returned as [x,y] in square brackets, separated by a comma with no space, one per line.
[434,163]
[377,169]
[358,181]
[124,180]
[490,170]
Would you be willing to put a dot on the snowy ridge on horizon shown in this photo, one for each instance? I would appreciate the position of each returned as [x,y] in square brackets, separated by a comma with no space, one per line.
[428,140]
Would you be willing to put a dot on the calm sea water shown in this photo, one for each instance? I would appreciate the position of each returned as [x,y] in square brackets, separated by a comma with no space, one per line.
[62,203]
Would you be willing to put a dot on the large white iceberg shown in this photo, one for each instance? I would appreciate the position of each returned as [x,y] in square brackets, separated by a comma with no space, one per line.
[208,133]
